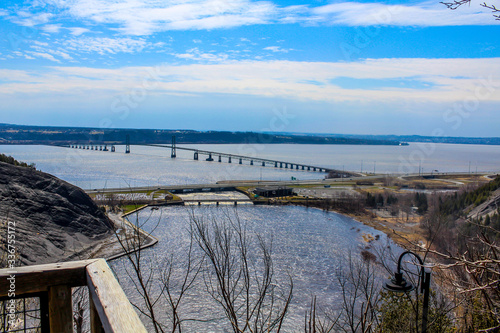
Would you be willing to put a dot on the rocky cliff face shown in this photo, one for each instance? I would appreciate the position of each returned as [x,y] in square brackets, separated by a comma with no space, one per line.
[54,220]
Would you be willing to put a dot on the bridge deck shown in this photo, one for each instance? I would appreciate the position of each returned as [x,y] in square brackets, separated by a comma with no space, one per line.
[276,163]
[216,200]
[240,158]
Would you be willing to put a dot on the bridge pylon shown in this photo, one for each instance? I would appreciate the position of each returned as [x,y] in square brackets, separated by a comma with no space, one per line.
[173,154]
[127,144]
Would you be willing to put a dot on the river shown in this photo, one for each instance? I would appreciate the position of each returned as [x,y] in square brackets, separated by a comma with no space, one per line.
[151,166]
[309,244]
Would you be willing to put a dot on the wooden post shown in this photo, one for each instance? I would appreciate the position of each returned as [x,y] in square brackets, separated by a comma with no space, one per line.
[60,309]
[95,321]
[115,311]
[44,313]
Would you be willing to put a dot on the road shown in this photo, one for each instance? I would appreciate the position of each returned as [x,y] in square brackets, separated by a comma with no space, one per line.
[229,184]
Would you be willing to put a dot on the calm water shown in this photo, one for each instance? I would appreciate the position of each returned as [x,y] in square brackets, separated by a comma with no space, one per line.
[151,166]
[309,244]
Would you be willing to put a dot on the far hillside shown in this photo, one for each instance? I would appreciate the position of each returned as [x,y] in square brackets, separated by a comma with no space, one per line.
[16,134]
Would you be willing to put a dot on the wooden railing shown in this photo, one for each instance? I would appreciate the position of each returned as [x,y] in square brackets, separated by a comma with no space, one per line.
[110,310]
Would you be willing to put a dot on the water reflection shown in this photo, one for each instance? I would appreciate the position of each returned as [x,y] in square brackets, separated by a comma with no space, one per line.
[309,244]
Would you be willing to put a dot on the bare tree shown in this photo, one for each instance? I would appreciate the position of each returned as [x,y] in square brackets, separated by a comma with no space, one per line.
[458,3]
[142,272]
[319,321]
[176,285]
[477,272]
[240,282]
[360,296]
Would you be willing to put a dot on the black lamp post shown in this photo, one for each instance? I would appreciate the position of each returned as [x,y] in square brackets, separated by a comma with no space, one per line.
[400,285]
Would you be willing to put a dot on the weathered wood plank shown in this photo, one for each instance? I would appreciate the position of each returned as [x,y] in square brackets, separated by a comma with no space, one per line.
[60,309]
[95,321]
[39,278]
[115,311]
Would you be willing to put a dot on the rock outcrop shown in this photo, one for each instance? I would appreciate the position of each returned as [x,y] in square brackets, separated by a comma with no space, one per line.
[488,207]
[54,220]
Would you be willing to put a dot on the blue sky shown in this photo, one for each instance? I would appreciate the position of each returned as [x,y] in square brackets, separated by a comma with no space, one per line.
[357,67]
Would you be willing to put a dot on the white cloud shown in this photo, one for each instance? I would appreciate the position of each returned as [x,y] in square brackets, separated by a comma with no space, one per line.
[103,45]
[28,19]
[145,17]
[78,31]
[52,28]
[277,49]
[196,54]
[3,12]
[448,80]
[142,17]
[43,55]
[44,48]
[424,14]
[21,54]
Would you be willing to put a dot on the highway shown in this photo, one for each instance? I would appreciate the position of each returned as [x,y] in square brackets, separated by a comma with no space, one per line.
[227,185]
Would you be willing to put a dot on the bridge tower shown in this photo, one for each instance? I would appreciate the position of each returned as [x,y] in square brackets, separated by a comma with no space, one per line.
[174,152]
[127,144]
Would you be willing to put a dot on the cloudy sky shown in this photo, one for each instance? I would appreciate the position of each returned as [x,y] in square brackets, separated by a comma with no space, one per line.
[358,67]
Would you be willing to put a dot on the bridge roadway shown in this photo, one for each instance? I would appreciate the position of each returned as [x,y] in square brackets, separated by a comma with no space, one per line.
[211,154]
[240,158]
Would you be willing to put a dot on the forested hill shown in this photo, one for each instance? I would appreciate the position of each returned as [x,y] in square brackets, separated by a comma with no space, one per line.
[16,134]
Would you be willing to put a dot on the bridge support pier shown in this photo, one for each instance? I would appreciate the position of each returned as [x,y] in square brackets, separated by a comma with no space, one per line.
[173,153]
[281,165]
[220,158]
[286,165]
[229,159]
[210,159]
[251,162]
[241,161]
[127,146]
[196,156]
[264,164]
[113,149]
[303,167]
[297,167]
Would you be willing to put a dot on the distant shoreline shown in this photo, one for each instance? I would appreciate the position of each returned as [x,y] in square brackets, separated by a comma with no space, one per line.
[51,135]
[18,134]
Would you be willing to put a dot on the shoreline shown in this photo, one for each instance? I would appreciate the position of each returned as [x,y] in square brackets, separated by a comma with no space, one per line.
[401,233]
[111,248]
